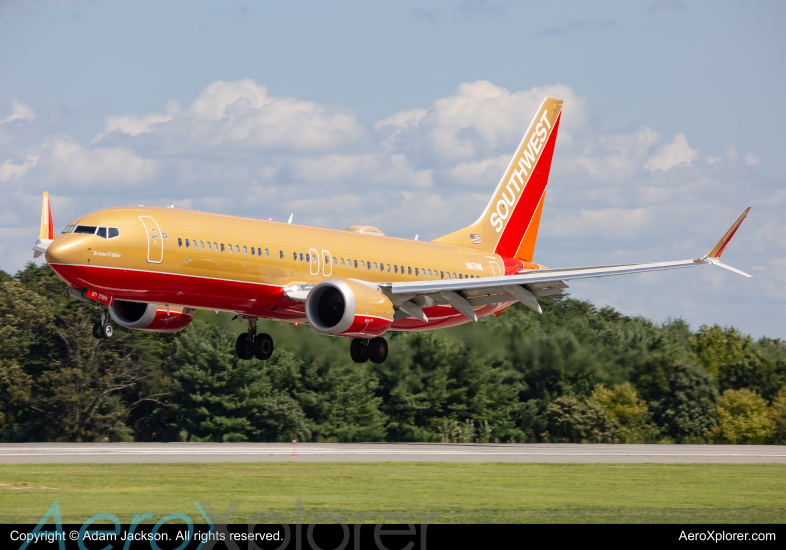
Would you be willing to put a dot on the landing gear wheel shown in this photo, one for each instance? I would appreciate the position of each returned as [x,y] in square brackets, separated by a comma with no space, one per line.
[107,331]
[358,350]
[263,346]
[97,333]
[378,350]
[242,347]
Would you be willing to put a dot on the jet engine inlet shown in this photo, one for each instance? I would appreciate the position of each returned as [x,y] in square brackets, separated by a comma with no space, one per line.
[152,317]
[348,308]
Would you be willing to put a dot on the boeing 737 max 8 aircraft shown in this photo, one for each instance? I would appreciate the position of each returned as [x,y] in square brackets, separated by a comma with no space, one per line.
[152,268]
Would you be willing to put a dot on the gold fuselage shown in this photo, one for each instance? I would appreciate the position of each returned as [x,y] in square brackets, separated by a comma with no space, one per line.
[187,276]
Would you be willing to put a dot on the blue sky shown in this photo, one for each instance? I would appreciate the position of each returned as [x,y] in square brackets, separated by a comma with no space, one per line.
[404,114]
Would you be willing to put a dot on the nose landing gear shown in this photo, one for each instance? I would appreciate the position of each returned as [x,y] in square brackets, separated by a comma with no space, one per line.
[362,349]
[103,329]
[251,344]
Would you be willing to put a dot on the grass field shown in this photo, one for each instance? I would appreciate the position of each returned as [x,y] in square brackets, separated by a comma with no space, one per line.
[481,493]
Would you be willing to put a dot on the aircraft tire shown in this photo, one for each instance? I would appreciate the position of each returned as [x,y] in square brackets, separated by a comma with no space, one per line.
[358,351]
[241,349]
[263,346]
[107,331]
[378,350]
[97,333]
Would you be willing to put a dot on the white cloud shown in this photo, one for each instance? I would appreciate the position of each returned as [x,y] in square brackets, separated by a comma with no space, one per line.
[65,161]
[610,223]
[751,160]
[19,111]
[480,173]
[612,157]
[480,118]
[131,125]
[8,170]
[674,154]
[731,152]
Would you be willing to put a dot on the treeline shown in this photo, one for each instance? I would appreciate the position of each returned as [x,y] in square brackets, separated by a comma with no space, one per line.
[574,374]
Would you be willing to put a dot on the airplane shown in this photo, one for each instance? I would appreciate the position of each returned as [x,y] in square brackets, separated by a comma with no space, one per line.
[152,268]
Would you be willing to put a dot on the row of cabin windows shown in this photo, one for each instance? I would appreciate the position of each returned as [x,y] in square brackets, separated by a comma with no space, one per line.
[202,245]
[419,272]
[309,258]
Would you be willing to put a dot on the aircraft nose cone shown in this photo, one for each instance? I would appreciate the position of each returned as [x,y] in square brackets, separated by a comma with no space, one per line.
[65,250]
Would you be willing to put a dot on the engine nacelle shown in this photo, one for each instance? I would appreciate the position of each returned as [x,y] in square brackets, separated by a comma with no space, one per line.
[342,307]
[153,317]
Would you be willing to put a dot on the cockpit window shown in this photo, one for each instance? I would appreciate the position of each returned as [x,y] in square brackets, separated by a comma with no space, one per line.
[107,232]
[69,229]
[86,229]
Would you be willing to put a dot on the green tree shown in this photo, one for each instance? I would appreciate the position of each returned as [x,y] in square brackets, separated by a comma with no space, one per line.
[755,371]
[742,418]
[571,421]
[688,412]
[778,416]
[623,406]
[716,347]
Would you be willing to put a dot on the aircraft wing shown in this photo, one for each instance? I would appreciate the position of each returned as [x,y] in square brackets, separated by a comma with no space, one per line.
[409,298]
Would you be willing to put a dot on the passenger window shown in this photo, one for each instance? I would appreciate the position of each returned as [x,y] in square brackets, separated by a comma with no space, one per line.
[402,269]
[342,262]
[454,274]
[201,245]
[222,247]
[335,260]
[237,249]
[395,268]
[215,246]
[208,245]
[459,275]
[281,254]
[188,243]
[180,242]
[267,253]
[253,250]
[193,243]
[409,271]
[388,268]
[429,273]
[356,264]
[327,260]
[361,265]
[245,251]
[294,255]
[441,274]
[301,257]
[416,272]
[375,266]
[308,259]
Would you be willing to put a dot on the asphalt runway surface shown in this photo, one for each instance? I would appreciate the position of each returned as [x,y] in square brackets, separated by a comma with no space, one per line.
[116,453]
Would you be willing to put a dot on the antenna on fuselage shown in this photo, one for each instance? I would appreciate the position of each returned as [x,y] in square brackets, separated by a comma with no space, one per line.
[416,237]
[290,217]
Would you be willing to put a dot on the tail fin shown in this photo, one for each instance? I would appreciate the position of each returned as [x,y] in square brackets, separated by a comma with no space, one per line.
[47,230]
[509,225]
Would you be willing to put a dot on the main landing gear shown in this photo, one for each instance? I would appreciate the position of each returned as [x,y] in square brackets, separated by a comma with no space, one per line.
[251,344]
[363,349]
[103,329]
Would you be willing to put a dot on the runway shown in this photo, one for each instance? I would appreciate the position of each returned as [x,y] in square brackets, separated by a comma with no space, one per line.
[116,453]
